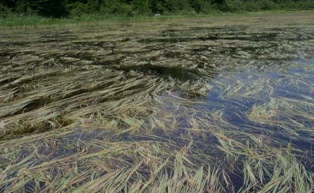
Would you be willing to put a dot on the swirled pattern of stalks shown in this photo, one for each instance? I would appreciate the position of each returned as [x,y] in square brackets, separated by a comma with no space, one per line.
[221,104]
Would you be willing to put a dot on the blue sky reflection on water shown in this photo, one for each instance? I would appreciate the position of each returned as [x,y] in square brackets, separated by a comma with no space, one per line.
[284,94]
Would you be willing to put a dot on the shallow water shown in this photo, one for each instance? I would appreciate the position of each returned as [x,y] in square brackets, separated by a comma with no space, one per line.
[99,99]
[235,93]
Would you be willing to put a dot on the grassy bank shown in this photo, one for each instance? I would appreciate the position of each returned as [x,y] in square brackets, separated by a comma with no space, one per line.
[14,20]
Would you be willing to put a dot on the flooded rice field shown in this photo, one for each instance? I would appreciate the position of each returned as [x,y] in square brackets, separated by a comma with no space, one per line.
[217,104]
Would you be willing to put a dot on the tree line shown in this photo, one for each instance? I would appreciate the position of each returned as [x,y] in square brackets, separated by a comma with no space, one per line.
[66,8]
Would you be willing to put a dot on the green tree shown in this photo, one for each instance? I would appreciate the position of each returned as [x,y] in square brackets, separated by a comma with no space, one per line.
[142,7]
[49,8]
[4,10]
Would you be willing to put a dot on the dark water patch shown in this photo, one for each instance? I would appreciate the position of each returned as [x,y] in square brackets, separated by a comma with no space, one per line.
[34,186]
[13,54]
[205,28]
[101,44]
[210,37]
[5,81]
[86,58]
[241,37]
[50,37]
[172,54]
[136,138]
[55,40]
[15,44]
[220,29]
[109,63]
[126,39]
[8,54]
[257,37]
[200,48]
[32,105]
[161,71]
[165,40]
[256,49]
[171,32]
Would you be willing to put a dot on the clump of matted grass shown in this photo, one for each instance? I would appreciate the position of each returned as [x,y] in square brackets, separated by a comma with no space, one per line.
[98,160]
[195,154]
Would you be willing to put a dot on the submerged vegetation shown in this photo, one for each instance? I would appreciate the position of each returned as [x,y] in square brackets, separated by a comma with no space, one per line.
[179,105]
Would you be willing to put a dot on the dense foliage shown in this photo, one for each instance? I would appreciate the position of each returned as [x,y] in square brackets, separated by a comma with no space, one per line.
[62,8]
